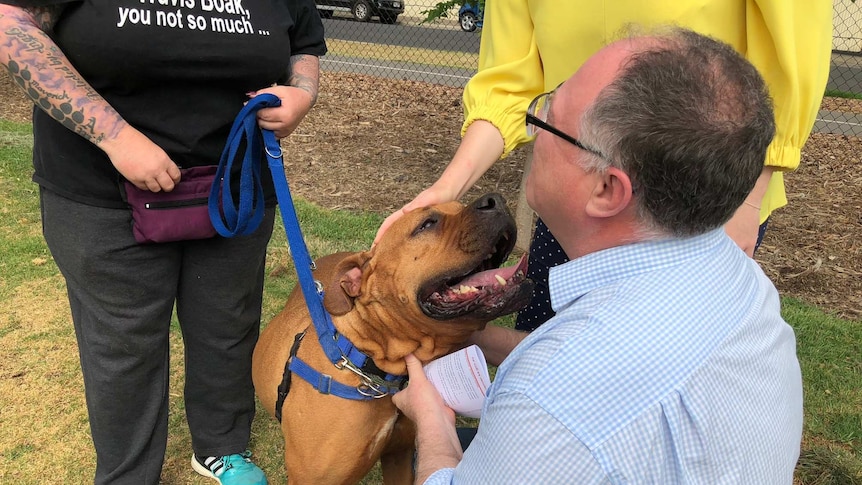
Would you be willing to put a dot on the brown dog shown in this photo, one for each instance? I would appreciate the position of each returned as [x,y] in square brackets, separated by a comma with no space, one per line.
[432,280]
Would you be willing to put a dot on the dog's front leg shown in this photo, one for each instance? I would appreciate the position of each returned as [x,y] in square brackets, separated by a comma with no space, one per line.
[396,462]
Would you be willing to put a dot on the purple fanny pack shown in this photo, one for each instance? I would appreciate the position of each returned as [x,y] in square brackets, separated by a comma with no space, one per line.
[178,215]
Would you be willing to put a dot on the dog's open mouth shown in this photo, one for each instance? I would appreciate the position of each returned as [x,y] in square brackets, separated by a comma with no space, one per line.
[486,292]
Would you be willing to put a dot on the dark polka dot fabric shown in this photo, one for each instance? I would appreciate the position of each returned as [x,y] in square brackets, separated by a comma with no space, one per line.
[545,253]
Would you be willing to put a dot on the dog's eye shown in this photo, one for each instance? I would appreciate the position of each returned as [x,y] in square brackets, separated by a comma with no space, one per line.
[426,224]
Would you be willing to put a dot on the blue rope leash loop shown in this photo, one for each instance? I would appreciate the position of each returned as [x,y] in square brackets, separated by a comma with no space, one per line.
[242,217]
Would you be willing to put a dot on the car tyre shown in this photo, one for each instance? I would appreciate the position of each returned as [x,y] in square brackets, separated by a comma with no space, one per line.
[361,10]
[468,22]
[388,18]
[325,14]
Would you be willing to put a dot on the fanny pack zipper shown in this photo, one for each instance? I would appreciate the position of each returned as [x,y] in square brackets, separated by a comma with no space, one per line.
[173,204]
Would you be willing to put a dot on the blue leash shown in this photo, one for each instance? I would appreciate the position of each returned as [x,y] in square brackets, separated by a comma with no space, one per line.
[243,218]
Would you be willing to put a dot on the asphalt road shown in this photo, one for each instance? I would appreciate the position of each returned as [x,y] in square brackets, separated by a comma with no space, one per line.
[448,39]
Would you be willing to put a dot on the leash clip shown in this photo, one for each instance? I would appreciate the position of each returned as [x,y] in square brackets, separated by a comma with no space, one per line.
[345,363]
[368,387]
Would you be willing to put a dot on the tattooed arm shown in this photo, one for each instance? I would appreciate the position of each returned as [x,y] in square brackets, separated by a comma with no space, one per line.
[305,74]
[47,77]
[297,97]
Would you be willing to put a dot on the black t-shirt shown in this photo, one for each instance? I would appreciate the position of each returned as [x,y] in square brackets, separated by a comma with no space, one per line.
[177,70]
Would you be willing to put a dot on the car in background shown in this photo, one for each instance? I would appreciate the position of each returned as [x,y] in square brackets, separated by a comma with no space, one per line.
[470,16]
[362,10]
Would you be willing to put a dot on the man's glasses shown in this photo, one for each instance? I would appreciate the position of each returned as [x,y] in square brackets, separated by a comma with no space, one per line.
[537,117]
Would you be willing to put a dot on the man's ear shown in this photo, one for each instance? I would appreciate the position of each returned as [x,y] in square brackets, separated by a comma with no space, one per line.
[611,194]
[346,284]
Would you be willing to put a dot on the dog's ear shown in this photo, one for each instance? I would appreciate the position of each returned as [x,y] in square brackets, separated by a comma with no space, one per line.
[345,285]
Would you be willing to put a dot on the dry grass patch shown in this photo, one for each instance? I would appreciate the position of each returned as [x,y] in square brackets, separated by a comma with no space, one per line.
[45,436]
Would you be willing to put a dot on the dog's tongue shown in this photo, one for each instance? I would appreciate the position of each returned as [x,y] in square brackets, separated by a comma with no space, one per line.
[494,276]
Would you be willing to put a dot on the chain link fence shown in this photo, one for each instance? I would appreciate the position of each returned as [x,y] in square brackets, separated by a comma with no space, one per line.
[845,76]
[442,52]
[438,52]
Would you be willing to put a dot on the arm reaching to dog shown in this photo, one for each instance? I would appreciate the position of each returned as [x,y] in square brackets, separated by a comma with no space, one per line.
[481,146]
[497,342]
[744,226]
[48,78]
[437,443]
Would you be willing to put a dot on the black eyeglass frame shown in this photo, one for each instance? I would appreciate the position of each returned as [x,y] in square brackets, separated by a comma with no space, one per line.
[533,120]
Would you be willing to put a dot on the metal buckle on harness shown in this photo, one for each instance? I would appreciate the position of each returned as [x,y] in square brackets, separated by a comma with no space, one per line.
[368,387]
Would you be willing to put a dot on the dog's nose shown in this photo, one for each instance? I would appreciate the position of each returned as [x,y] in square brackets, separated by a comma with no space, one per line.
[489,202]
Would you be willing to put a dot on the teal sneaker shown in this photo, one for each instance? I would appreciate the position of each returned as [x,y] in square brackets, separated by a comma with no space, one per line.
[230,470]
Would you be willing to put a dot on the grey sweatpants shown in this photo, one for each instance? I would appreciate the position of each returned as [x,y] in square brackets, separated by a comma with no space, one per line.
[121,296]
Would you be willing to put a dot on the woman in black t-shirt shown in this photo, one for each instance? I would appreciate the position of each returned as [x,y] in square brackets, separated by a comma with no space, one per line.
[134,90]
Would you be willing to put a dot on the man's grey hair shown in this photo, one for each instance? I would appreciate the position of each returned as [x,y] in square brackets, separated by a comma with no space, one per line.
[689,120]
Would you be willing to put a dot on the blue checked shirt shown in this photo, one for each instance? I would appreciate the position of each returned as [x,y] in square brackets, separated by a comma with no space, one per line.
[668,362]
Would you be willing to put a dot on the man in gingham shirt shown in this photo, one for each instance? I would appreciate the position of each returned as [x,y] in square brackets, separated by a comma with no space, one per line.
[668,360]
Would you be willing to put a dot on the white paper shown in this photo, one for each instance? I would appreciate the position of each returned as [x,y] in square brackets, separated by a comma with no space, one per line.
[462,380]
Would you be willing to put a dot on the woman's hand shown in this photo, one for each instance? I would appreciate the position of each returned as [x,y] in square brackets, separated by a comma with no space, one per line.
[481,146]
[297,97]
[429,196]
[744,227]
[282,120]
[134,155]
[141,161]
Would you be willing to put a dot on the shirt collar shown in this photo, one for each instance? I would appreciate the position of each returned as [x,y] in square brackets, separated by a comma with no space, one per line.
[571,280]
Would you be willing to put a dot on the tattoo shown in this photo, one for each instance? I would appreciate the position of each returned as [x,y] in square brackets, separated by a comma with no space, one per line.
[304,74]
[45,17]
[47,77]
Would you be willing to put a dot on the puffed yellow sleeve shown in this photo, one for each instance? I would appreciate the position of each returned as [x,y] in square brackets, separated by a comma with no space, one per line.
[790,43]
[510,72]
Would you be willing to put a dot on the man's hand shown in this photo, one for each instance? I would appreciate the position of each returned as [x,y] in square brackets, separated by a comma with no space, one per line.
[436,441]
[420,401]
[497,342]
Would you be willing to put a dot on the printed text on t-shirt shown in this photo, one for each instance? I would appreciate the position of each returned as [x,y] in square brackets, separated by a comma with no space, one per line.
[222,16]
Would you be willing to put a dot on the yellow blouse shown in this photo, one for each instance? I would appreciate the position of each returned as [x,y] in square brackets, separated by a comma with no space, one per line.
[531,46]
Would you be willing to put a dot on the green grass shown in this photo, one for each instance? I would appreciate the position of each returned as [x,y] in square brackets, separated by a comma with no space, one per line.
[45,436]
[829,351]
[834,93]
[25,256]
